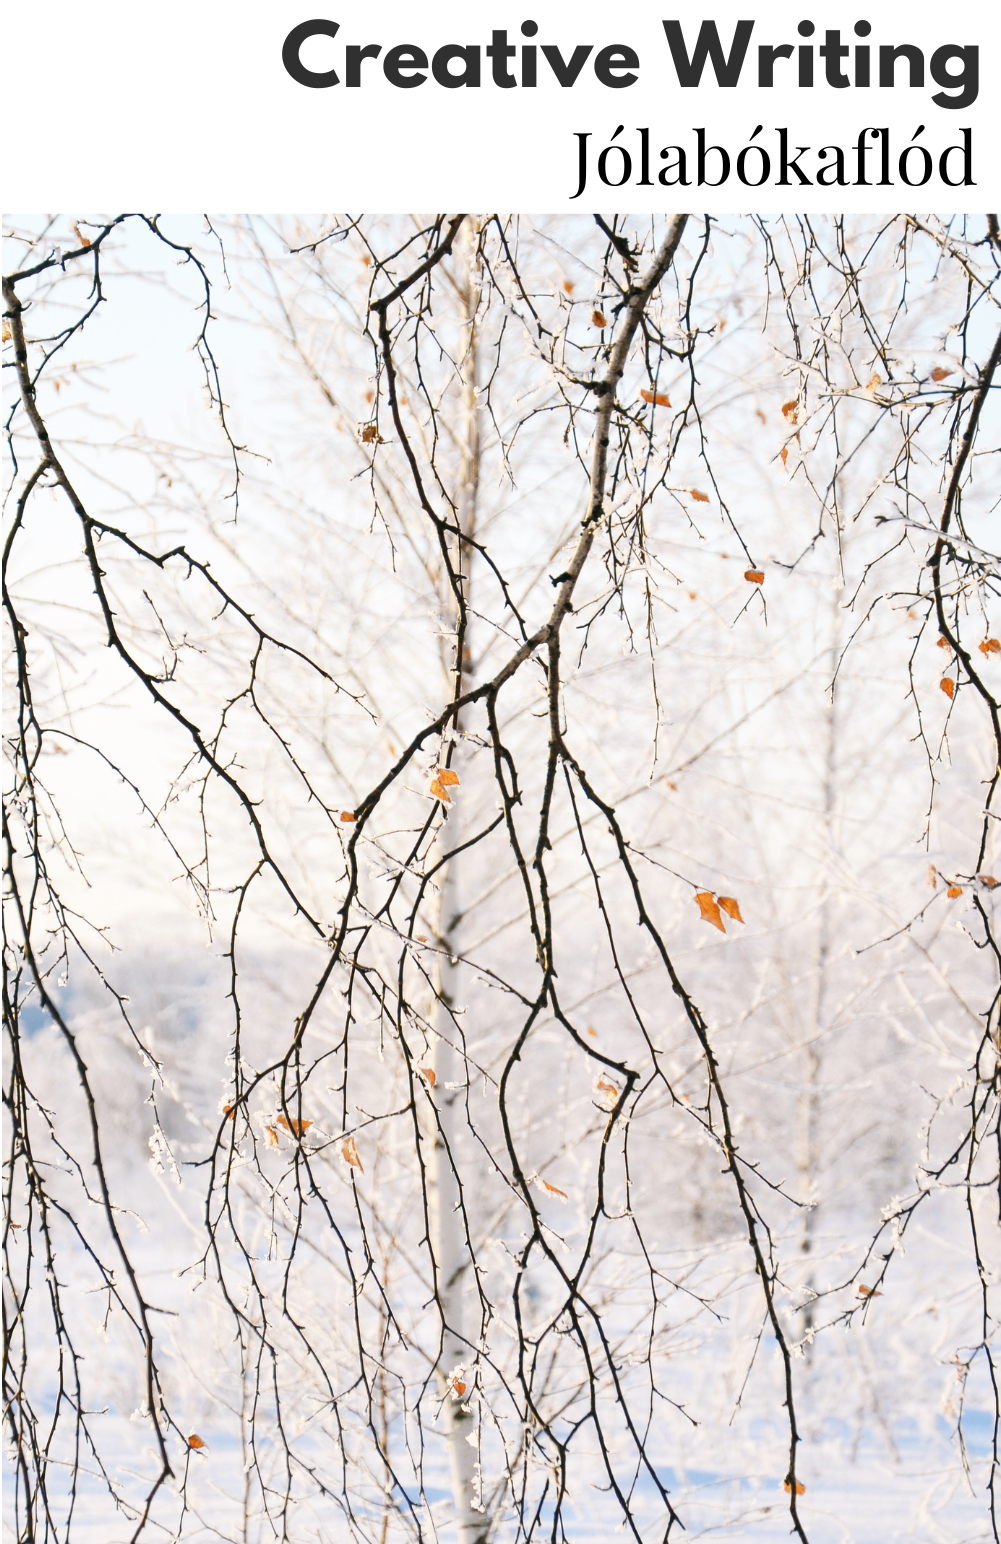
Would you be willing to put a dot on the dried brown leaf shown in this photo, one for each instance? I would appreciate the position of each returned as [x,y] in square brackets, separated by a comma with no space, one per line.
[297,1127]
[349,1153]
[731,907]
[948,685]
[598,318]
[708,909]
[608,1094]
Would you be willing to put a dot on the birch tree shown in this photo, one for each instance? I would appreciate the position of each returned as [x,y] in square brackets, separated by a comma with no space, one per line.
[473,664]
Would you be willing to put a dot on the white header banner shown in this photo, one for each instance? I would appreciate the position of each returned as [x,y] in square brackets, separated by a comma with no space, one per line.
[315,104]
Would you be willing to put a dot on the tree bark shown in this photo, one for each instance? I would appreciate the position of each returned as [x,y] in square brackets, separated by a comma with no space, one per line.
[449,1218]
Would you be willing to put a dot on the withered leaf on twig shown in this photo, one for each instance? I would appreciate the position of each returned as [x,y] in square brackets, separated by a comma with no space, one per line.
[295,1126]
[709,909]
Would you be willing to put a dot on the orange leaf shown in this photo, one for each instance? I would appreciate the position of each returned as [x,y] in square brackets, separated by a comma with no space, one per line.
[422,938]
[439,791]
[350,1154]
[872,383]
[659,397]
[568,286]
[953,891]
[731,907]
[195,1441]
[272,1136]
[990,646]
[428,1074]
[347,816]
[229,1111]
[948,685]
[708,909]
[940,374]
[458,1387]
[790,411]
[800,1489]
[369,433]
[699,497]
[554,1190]
[598,318]
[296,1126]
[81,238]
[608,1092]
[988,880]
[447,778]
[868,1291]
[754,576]
[943,643]
[785,454]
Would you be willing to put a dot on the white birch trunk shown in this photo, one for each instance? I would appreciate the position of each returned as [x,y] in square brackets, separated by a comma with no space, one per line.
[810,1096]
[460,1331]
